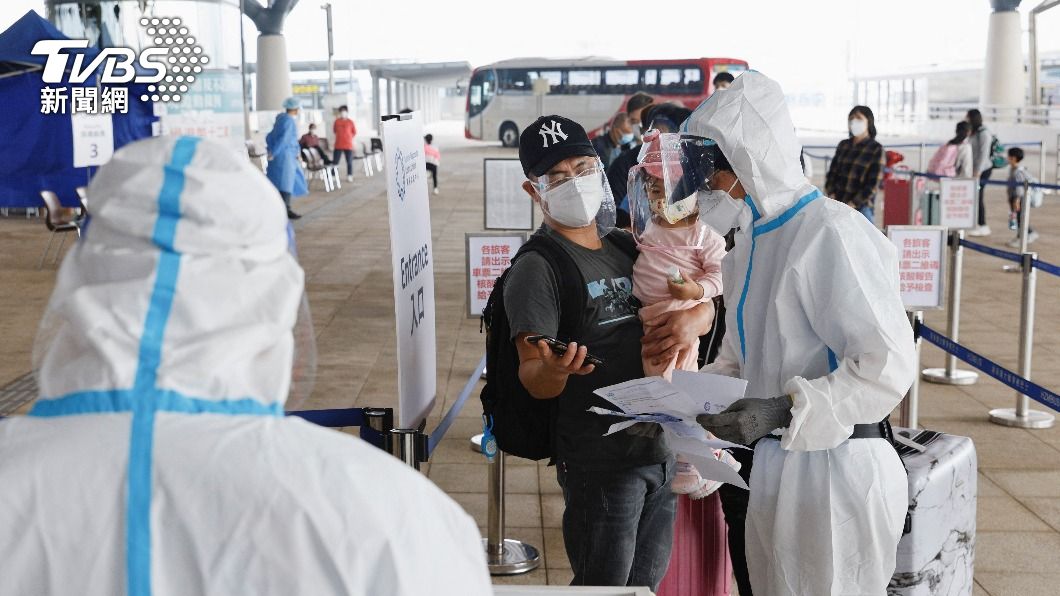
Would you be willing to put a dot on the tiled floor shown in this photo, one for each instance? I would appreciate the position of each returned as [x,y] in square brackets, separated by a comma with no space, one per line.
[344,246]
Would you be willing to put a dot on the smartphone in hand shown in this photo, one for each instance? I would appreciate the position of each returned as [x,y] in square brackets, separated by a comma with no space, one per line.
[560,348]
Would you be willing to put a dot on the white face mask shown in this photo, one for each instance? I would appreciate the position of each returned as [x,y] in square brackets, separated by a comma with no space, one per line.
[719,210]
[576,202]
[676,211]
[342,114]
[858,127]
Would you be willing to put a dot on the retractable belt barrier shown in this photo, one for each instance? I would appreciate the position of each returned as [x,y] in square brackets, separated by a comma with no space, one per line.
[377,425]
[1024,386]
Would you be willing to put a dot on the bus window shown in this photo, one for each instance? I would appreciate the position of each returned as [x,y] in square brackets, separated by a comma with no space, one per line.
[651,80]
[513,79]
[621,81]
[693,81]
[670,80]
[583,82]
[480,90]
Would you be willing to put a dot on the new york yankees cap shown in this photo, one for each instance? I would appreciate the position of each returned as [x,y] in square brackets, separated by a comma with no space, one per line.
[550,140]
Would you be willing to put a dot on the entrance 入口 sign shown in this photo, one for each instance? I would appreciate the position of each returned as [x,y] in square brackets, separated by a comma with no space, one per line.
[507,206]
[93,139]
[958,202]
[413,267]
[488,255]
[920,264]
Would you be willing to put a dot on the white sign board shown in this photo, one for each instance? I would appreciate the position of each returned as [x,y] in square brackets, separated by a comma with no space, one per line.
[488,255]
[920,264]
[413,267]
[507,207]
[93,139]
[958,203]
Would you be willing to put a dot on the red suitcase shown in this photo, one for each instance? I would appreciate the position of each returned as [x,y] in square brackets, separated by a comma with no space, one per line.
[699,563]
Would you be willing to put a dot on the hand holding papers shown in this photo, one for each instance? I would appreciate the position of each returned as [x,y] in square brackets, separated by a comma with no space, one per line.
[674,406]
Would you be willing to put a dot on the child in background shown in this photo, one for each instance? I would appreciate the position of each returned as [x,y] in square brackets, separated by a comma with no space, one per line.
[1017,178]
[433,158]
[679,267]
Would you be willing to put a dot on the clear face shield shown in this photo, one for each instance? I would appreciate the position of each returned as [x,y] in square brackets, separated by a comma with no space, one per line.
[663,188]
[579,198]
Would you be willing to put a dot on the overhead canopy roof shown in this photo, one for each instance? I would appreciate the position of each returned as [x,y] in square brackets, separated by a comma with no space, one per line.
[428,73]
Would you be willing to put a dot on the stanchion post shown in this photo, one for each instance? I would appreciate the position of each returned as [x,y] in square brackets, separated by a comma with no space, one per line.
[1041,161]
[1025,216]
[910,411]
[951,375]
[407,445]
[381,421]
[504,556]
[923,148]
[1022,415]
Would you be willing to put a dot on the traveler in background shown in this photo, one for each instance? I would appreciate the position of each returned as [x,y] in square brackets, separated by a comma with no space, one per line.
[722,80]
[619,511]
[634,107]
[433,157]
[285,169]
[664,117]
[982,165]
[618,138]
[345,130]
[954,159]
[311,141]
[1017,198]
[857,167]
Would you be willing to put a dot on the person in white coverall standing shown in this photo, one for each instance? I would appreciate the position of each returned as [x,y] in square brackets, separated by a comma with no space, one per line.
[157,459]
[816,326]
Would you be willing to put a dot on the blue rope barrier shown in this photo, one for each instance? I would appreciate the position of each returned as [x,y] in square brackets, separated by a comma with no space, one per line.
[439,431]
[1047,267]
[994,252]
[342,418]
[995,370]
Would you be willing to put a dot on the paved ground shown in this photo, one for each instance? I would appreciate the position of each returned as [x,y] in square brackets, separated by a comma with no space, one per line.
[344,247]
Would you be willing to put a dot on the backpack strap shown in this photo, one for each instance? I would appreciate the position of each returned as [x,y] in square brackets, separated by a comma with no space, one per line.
[569,282]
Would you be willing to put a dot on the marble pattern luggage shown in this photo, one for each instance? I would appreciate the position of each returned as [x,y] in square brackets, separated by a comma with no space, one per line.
[936,554]
[699,562]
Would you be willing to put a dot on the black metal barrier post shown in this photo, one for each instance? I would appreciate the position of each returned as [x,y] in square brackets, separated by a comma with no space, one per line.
[951,375]
[1022,416]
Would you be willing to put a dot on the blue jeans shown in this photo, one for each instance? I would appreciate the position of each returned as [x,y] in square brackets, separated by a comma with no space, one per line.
[348,154]
[618,526]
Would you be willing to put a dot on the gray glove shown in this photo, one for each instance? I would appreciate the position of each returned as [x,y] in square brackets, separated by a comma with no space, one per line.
[748,419]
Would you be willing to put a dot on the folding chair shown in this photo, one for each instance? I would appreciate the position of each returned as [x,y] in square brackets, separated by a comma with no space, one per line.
[56,224]
[318,169]
[254,153]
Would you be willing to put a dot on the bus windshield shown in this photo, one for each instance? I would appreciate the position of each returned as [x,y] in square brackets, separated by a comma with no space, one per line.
[480,91]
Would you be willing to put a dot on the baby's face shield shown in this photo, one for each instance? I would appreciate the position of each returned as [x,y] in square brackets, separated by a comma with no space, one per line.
[576,194]
[663,186]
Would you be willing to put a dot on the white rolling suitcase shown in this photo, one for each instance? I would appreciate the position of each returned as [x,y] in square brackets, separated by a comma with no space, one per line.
[937,551]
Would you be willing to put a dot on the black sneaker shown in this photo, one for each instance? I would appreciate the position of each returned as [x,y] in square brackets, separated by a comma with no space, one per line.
[293,215]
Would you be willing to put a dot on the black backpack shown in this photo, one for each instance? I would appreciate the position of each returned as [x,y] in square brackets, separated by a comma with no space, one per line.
[521,424]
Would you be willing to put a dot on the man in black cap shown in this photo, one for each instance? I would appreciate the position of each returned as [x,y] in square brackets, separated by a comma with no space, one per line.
[619,510]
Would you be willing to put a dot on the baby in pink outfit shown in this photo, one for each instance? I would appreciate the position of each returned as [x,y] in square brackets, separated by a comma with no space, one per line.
[679,267]
[694,250]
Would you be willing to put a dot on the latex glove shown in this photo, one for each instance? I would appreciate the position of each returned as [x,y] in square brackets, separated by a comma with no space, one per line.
[748,419]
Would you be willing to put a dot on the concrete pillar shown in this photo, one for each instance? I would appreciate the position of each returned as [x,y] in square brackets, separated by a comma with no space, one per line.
[273,72]
[390,91]
[377,111]
[1004,81]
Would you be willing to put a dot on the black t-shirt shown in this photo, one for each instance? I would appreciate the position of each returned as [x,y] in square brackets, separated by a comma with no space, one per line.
[612,332]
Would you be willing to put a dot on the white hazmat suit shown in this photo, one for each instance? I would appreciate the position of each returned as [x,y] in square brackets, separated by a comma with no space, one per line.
[157,460]
[814,312]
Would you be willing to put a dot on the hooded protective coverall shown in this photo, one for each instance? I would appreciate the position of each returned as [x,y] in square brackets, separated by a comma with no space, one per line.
[815,313]
[284,170]
[157,459]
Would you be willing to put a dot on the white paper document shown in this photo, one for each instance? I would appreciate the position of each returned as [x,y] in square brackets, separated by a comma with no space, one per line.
[674,406]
